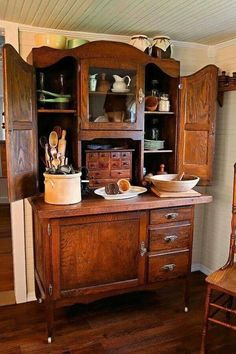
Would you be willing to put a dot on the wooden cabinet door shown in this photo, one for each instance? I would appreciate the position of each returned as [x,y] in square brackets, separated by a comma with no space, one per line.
[21,128]
[99,253]
[197,114]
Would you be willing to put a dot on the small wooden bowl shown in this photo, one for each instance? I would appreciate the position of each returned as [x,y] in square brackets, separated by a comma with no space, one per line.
[151,103]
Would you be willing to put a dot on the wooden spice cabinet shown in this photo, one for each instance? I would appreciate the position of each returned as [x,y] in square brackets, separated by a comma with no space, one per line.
[102,248]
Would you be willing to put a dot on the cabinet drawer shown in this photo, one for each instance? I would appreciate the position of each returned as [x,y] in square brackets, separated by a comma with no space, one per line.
[161,216]
[115,155]
[104,155]
[99,174]
[125,164]
[125,155]
[92,165]
[115,164]
[100,182]
[120,174]
[92,156]
[103,163]
[167,266]
[167,238]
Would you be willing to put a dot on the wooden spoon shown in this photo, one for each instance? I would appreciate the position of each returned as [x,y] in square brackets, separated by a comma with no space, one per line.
[179,177]
[53,139]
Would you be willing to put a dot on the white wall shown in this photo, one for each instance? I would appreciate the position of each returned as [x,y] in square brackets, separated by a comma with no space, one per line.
[218,216]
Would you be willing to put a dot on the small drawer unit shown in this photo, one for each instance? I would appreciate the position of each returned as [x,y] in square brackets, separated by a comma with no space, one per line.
[108,166]
[169,243]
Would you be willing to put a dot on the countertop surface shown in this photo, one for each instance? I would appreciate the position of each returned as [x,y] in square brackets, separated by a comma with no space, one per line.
[92,205]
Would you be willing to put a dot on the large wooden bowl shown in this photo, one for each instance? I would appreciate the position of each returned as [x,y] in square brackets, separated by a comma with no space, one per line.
[166,183]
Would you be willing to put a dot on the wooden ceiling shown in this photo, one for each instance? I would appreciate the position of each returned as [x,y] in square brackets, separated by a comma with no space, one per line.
[201,21]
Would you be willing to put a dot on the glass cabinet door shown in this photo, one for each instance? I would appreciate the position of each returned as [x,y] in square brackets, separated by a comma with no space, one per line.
[111,96]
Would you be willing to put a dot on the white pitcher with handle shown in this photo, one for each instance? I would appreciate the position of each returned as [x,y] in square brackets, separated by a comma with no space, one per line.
[120,84]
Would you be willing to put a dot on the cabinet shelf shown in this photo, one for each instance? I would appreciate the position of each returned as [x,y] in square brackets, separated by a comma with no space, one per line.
[157,151]
[96,93]
[42,110]
[158,113]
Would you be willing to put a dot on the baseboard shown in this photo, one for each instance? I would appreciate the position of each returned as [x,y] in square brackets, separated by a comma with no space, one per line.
[31,296]
[199,267]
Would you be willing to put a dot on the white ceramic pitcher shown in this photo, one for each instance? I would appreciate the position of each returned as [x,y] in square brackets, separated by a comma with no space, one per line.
[120,84]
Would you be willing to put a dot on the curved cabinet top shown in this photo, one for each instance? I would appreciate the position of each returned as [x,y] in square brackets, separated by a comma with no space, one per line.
[45,56]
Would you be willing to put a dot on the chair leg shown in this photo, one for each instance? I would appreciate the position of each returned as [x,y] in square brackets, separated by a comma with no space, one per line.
[229,306]
[205,324]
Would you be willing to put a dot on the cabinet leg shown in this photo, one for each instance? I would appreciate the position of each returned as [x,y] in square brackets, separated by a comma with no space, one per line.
[186,295]
[205,324]
[49,308]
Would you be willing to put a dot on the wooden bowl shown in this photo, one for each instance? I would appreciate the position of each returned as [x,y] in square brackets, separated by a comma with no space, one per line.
[166,183]
[151,103]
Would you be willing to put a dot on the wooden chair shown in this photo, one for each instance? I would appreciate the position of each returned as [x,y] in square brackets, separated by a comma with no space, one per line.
[221,285]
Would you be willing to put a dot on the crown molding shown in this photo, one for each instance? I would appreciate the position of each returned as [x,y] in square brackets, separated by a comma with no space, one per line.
[189,45]
[75,34]
[224,44]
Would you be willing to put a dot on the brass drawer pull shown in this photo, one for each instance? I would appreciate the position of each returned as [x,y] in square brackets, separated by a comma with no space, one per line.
[143,249]
[169,267]
[170,238]
[171,216]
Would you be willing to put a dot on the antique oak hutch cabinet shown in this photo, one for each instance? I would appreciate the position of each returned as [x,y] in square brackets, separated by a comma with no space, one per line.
[85,251]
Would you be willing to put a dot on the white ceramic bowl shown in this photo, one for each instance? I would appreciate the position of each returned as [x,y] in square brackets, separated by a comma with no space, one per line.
[165,183]
[52,40]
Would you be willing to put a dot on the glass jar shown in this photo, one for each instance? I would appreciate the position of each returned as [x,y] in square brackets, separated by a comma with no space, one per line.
[164,103]
[161,47]
[141,42]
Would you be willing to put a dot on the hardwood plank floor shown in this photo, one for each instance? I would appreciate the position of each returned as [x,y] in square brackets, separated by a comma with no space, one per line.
[140,323]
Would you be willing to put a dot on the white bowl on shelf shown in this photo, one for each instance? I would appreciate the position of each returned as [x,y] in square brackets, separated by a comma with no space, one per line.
[166,183]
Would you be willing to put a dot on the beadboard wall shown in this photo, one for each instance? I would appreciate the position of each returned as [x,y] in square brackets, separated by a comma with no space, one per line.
[192,57]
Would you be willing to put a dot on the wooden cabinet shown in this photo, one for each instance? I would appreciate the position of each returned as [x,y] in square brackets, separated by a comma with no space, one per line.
[101,248]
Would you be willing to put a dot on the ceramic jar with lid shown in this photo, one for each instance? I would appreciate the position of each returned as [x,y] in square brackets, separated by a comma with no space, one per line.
[164,103]
[161,47]
[141,42]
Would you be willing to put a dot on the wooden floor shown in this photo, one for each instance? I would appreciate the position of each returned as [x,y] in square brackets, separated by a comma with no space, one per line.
[140,323]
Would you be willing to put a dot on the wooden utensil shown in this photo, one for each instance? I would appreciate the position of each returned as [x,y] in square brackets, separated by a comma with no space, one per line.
[58,130]
[62,143]
[43,141]
[53,139]
[179,177]
[47,156]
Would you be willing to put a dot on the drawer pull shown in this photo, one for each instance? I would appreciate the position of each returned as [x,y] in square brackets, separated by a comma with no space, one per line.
[171,216]
[170,238]
[143,249]
[169,267]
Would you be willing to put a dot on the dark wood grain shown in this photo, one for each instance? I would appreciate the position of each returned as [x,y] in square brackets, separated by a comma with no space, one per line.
[98,205]
[3,159]
[152,322]
[44,56]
